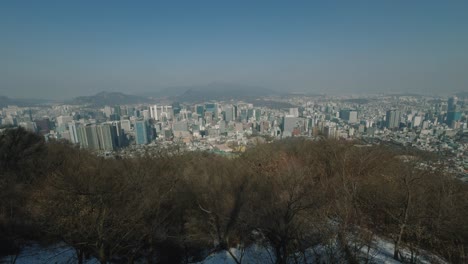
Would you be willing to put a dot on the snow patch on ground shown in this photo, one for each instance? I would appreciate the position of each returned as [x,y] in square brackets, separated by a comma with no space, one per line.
[381,252]
[36,254]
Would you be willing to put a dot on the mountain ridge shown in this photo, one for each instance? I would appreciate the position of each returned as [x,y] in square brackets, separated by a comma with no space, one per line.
[109,98]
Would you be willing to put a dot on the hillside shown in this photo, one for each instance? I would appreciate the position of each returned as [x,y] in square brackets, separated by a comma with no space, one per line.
[109,98]
[293,199]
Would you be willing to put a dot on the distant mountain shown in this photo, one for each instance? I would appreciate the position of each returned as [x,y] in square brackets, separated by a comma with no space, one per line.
[6,101]
[110,98]
[221,91]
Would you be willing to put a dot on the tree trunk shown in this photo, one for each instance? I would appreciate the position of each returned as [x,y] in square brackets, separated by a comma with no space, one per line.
[102,254]
[80,256]
[396,251]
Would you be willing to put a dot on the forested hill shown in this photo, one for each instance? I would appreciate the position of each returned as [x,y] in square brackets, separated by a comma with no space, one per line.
[290,198]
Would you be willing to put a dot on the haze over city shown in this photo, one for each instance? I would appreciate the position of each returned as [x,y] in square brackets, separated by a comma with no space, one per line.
[62,49]
[234,132]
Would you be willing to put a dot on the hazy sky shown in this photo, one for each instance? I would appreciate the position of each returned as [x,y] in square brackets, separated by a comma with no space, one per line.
[61,49]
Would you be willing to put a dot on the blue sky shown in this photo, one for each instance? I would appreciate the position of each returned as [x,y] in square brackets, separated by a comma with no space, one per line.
[61,49]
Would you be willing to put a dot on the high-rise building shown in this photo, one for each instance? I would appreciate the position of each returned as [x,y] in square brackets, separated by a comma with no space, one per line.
[28,125]
[106,137]
[243,115]
[452,118]
[73,133]
[212,108]
[119,139]
[392,119]
[329,131]
[229,113]
[453,114]
[200,109]
[349,115]
[293,124]
[161,112]
[126,125]
[294,112]
[88,136]
[61,120]
[250,113]
[176,108]
[145,114]
[452,104]
[141,132]
[258,114]
[417,121]
[43,125]
[117,112]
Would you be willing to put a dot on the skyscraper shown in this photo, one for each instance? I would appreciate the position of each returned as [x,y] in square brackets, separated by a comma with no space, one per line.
[229,114]
[452,104]
[349,115]
[106,137]
[393,119]
[292,124]
[73,133]
[141,132]
[160,112]
[212,108]
[88,137]
[200,110]
[453,113]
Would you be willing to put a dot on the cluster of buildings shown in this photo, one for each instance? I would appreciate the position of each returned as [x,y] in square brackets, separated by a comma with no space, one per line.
[428,123]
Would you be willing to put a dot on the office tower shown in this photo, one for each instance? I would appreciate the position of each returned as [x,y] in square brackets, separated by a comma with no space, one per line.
[200,110]
[117,111]
[393,119]
[61,120]
[453,118]
[329,131]
[184,114]
[73,133]
[176,108]
[250,113]
[118,134]
[154,112]
[294,112]
[28,125]
[88,137]
[65,135]
[417,121]
[229,114]
[161,112]
[43,125]
[212,108]
[452,104]
[141,132]
[258,114]
[292,125]
[453,114]
[243,115]
[107,111]
[145,114]
[106,136]
[222,126]
[349,115]
[126,125]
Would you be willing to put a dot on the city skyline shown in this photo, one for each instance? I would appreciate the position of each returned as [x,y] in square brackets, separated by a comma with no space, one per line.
[59,50]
